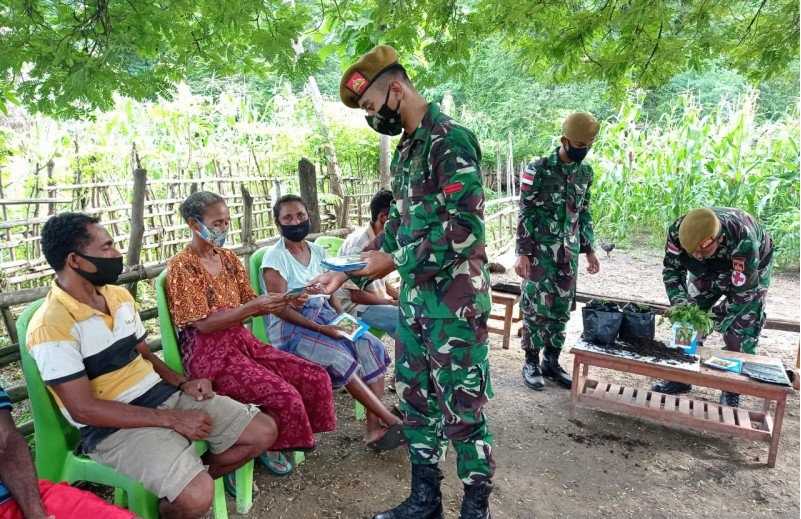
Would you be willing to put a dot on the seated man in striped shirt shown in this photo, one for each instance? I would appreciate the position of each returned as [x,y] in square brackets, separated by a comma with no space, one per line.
[22,496]
[133,413]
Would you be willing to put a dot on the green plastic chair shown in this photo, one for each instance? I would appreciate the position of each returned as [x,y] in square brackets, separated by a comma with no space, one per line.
[56,440]
[172,357]
[258,328]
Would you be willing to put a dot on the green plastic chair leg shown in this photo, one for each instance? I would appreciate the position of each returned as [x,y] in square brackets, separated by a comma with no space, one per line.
[244,488]
[143,503]
[298,458]
[219,505]
[120,497]
[359,411]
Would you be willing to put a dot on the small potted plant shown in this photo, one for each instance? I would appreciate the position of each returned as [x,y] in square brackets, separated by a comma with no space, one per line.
[689,323]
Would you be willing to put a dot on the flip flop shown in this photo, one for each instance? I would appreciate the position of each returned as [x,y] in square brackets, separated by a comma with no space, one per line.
[276,463]
[392,439]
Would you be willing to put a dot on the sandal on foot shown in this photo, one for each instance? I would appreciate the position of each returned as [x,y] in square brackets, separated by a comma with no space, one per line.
[392,439]
[276,463]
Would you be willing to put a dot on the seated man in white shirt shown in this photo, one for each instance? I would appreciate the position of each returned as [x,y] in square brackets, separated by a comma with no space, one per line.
[377,306]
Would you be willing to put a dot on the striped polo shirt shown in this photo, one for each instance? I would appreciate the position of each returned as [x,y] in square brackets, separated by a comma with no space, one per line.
[5,405]
[69,339]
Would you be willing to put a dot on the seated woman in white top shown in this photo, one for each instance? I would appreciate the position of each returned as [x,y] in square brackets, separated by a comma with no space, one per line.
[358,365]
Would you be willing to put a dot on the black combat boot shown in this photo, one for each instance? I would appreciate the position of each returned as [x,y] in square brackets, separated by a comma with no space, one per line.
[671,388]
[475,504]
[532,376]
[425,500]
[552,370]
[729,399]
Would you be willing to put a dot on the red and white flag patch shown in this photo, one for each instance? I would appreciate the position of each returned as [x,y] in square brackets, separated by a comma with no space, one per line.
[738,264]
[526,180]
[453,188]
[673,248]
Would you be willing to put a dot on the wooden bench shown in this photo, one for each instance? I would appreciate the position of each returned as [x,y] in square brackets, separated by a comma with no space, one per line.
[682,410]
[508,301]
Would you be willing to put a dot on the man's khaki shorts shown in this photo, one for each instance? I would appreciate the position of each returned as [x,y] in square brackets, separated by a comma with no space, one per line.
[165,461]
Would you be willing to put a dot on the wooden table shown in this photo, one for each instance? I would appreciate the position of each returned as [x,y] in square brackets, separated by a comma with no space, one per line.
[508,301]
[681,409]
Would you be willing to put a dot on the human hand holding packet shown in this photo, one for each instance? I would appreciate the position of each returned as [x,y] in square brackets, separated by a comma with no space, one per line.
[350,327]
[344,263]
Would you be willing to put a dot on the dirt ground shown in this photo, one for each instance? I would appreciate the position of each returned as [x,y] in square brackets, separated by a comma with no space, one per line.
[600,465]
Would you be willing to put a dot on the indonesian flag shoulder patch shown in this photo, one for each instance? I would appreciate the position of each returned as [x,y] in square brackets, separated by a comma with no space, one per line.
[673,248]
[738,264]
[357,83]
[526,179]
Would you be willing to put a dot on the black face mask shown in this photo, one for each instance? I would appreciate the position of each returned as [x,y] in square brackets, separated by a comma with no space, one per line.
[295,232]
[108,270]
[576,154]
[387,121]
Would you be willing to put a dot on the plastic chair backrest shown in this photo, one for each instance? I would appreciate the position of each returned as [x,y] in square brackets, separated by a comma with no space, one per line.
[169,339]
[55,437]
[331,244]
[257,326]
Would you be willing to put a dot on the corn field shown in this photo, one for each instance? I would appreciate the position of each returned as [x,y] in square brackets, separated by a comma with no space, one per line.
[649,173]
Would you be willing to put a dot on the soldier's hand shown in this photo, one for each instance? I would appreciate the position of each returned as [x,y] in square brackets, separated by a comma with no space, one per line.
[379,264]
[593,265]
[327,283]
[523,266]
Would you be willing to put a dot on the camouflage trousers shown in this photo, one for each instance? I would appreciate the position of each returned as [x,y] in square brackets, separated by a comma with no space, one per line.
[442,379]
[548,296]
[740,323]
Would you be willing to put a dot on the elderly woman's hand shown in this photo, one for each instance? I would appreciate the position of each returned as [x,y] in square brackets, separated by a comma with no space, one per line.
[268,304]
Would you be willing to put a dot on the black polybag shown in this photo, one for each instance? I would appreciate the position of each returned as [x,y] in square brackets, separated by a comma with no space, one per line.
[602,322]
[637,323]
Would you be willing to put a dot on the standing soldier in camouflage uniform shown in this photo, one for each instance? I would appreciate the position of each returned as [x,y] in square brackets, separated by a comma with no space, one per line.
[554,225]
[435,239]
[720,253]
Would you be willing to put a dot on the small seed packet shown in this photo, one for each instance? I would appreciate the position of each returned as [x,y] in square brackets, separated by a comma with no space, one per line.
[351,327]
[344,263]
[733,365]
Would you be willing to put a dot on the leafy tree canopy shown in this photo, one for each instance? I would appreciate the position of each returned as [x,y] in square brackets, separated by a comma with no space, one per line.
[66,57]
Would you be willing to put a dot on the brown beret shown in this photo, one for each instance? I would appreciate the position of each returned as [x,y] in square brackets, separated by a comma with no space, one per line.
[697,227]
[358,78]
[580,127]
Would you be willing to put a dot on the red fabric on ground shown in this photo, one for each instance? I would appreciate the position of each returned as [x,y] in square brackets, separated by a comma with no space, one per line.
[66,502]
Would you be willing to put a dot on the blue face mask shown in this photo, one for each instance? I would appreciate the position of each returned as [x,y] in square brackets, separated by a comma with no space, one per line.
[213,236]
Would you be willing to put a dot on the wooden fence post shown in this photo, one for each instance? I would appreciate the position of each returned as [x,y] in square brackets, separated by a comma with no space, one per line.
[307,178]
[246,227]
[137,215]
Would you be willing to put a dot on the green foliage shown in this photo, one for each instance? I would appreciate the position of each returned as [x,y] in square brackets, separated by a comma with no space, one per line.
[65,58]
[691,315]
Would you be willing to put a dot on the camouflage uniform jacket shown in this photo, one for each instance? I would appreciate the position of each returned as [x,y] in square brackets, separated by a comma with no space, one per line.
[435,230]
[554,206]
[745,249]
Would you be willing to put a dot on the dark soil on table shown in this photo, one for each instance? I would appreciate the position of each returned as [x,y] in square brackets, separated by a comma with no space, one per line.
[652,348]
